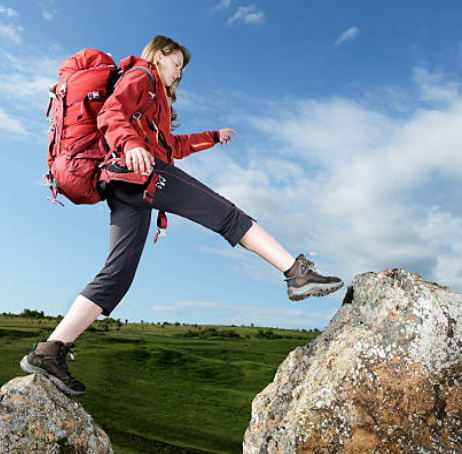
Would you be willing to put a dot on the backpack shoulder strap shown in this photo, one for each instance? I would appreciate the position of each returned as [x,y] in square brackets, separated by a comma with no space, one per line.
[151,75]
[146,106]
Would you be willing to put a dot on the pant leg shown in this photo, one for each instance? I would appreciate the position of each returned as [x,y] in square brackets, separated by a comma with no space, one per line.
[129,229]
[179,193]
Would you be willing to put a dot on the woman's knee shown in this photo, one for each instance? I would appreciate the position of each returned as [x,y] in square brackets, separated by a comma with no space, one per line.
[235,226]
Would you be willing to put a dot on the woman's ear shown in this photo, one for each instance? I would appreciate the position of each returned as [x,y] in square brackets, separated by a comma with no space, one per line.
[158,56]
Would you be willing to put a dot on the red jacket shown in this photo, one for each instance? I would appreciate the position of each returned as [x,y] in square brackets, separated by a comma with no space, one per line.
[123,130]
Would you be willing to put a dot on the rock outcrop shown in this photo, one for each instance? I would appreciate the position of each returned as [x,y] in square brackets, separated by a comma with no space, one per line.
[35,417]
[384,377]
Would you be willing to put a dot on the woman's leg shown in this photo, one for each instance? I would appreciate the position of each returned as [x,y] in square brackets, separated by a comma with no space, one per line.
[179,193]
[79,317]
[183,195]
[258,240]
[129,228]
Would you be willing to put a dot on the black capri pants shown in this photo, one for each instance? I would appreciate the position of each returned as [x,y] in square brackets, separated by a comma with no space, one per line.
[177,193]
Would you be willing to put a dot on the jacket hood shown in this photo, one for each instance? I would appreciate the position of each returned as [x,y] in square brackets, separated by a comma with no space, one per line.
[133,60]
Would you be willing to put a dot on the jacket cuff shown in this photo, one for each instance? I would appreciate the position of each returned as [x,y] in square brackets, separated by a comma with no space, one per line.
[216,136]
[133,143]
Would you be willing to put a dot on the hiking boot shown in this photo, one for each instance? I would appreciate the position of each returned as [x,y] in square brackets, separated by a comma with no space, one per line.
[303,281]
[49,358]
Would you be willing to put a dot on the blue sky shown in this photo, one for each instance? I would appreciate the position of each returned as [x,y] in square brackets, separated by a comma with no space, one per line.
[349,120]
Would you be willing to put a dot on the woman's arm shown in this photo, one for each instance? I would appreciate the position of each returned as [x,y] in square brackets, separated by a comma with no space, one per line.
[114,119]
[184,145]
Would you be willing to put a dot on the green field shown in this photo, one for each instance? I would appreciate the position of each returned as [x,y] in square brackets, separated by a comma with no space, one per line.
[164,388]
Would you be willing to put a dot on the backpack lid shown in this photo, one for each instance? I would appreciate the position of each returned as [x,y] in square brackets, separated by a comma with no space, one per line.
[84,59]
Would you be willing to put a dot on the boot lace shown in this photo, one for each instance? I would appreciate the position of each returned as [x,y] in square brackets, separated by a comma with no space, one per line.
[61,359]
[308,264]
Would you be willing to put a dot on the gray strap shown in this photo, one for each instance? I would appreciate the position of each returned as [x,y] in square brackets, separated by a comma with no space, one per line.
[151,75]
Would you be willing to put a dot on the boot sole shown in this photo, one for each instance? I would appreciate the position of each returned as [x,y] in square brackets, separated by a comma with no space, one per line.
[29,369]
[313,290]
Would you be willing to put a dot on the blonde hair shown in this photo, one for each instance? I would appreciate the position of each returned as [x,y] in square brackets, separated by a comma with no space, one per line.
[166,46]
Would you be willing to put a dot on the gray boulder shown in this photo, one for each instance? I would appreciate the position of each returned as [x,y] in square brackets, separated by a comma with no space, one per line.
[384,377]
[35,417]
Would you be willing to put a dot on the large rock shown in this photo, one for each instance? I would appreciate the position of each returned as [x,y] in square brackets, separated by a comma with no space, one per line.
[35,417]
[384,377]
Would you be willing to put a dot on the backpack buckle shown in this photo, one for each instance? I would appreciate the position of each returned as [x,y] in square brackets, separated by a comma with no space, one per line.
[53,123]
[52,92]
[94,95]
[46,180]
[136,115]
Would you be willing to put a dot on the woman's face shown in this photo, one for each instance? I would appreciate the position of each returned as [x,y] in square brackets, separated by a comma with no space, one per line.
[170,67]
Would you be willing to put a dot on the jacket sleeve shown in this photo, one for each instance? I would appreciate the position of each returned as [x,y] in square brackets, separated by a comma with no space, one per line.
[184,145]
[114,118]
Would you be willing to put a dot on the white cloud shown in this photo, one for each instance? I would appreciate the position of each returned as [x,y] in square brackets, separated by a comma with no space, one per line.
[242,314]
[355,184]
[223,4]
[8,30]
[11,32]
[24,93]
[433,87]
[11,124]
[349,35]
[443,230]
[49,10]
[30,82]
[8,12]
[179,306]
[248,14]
[190,102]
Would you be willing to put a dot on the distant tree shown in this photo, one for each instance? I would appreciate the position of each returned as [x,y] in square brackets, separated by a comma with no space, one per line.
[27,313]
[126,321]
[177,324]
[268,334]
[252,325]
[105,324]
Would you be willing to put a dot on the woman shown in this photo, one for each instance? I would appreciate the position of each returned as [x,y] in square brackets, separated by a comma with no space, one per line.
[136,121]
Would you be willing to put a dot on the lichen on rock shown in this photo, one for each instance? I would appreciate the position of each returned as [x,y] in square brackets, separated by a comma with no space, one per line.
[384,377]
[35,417]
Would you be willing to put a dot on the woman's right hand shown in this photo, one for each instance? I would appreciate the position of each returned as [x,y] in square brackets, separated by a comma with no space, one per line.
[139,160]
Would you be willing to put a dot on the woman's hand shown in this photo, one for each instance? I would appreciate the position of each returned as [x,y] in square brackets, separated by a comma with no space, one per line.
[225,135]
[139,160]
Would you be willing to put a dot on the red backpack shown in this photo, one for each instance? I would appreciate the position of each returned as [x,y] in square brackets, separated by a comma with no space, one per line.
[77,154]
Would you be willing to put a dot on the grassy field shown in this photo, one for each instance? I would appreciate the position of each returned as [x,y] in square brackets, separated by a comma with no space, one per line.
[164,388]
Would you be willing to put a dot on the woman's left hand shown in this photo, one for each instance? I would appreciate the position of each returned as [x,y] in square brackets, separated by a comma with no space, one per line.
[226,135]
